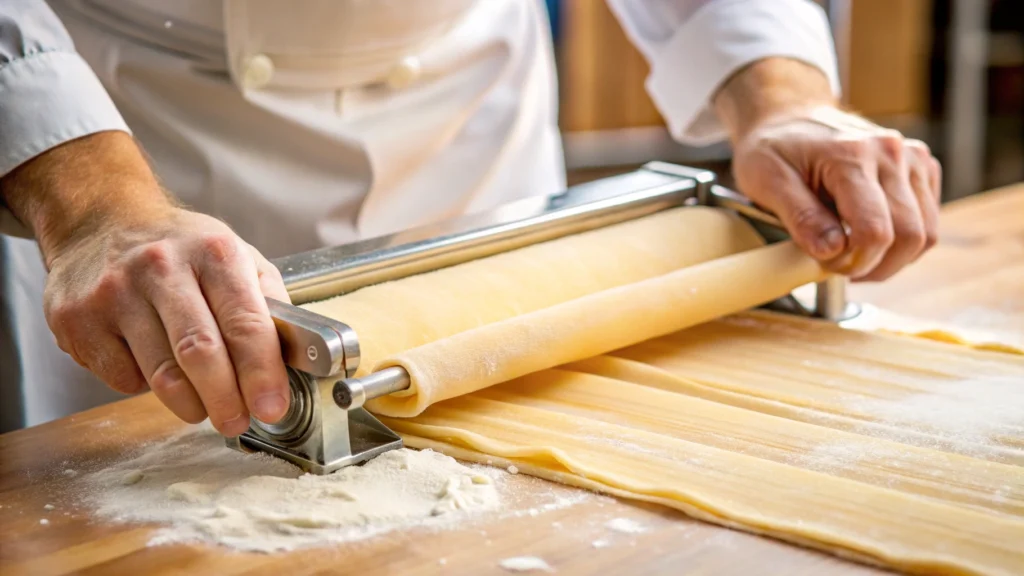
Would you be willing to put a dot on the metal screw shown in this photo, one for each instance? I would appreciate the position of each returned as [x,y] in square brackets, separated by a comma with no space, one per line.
[312,353]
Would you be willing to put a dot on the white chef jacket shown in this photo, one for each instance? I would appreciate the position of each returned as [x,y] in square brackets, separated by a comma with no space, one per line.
[322,122]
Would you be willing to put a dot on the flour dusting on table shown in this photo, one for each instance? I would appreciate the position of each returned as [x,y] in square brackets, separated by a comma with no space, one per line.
[201,491]
[982,412]
[625,526]
[525,564]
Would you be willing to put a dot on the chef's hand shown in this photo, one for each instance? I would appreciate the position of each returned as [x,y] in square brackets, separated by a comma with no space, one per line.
[818,168]
[142,292]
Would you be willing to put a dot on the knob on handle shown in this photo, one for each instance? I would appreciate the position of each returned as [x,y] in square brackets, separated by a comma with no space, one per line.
[354,392]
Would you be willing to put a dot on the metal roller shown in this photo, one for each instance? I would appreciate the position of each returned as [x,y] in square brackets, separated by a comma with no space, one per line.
[326,427]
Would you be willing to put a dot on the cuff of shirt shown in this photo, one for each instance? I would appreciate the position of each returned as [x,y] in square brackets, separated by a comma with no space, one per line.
[721,38]
[49,98]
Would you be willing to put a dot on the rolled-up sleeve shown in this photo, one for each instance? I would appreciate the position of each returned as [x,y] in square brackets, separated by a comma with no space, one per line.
[48,94]
[694,46]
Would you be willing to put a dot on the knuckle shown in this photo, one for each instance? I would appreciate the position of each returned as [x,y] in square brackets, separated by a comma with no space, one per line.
[891,144]
[219,248]
[197,344]
[244,324]
[857,148]
[168,378]
[62,320]
[910,235]
[877,232]
[156,258]
[918,148]
[61,316]
[67,345]
[110,287]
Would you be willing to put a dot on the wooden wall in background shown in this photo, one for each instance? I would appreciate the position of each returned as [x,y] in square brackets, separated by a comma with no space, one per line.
[602,74]
[890,47]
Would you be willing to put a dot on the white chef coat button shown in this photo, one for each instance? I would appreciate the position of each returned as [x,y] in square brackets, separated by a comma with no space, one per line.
[405,73]
[257,71]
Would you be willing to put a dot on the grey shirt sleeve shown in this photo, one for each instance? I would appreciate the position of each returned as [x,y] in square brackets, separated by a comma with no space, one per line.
[48,94]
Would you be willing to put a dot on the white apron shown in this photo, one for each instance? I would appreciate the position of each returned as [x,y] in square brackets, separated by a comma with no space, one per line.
[313,123]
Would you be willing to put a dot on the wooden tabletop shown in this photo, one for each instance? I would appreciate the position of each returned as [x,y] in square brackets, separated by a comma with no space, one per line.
[975,276]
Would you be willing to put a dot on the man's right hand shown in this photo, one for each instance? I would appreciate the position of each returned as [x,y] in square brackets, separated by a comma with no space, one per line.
[142,292]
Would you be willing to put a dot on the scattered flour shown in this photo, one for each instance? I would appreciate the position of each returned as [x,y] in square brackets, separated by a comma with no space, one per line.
[978,411]
[525,564]
[513,470]
[49,507]
[44,522]
[600,543]
[566,499]
[625,526]
[70,473]
[201,491]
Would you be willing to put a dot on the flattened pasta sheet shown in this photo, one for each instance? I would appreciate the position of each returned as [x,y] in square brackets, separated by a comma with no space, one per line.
[584,360]
[895,450]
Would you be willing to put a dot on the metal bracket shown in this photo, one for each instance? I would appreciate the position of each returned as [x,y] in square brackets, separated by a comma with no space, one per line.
[312,343]
[316,434]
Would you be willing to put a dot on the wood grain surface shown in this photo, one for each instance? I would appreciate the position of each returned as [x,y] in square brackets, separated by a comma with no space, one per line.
[983,238]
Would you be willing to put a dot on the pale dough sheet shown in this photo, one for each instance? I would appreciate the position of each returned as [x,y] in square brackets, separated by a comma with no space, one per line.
[470,326]
[902,451]
[886,448]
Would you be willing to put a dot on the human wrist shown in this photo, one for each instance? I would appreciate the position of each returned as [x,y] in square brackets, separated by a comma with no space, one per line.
[768,89]
[80,187]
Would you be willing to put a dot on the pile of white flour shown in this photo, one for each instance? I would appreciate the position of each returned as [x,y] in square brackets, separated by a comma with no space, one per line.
[201,491]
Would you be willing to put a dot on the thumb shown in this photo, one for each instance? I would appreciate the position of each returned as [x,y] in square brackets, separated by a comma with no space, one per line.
[768,180]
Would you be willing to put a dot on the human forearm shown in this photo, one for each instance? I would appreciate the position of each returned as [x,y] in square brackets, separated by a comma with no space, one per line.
[695,46]
[72,189]
[50,95]
[770,88]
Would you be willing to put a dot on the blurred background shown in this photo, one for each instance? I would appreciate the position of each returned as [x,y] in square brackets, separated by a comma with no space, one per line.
[949,72]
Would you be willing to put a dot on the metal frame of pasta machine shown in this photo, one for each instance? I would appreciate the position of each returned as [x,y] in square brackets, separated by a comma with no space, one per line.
[326,426]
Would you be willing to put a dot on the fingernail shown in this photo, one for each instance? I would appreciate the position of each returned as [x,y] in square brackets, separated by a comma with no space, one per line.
[235,426]
[830,243]
[270,407]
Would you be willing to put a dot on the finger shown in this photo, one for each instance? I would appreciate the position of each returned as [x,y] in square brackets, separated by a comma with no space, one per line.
[926,180]
[108,357]
[195,339]
[864,207]
[93,344]
[909,236]
[935,178]
[778,187]
[271,283]
[147,339]
[229,280]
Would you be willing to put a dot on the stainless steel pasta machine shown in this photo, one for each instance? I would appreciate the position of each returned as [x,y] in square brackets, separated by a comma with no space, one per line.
[326,427]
